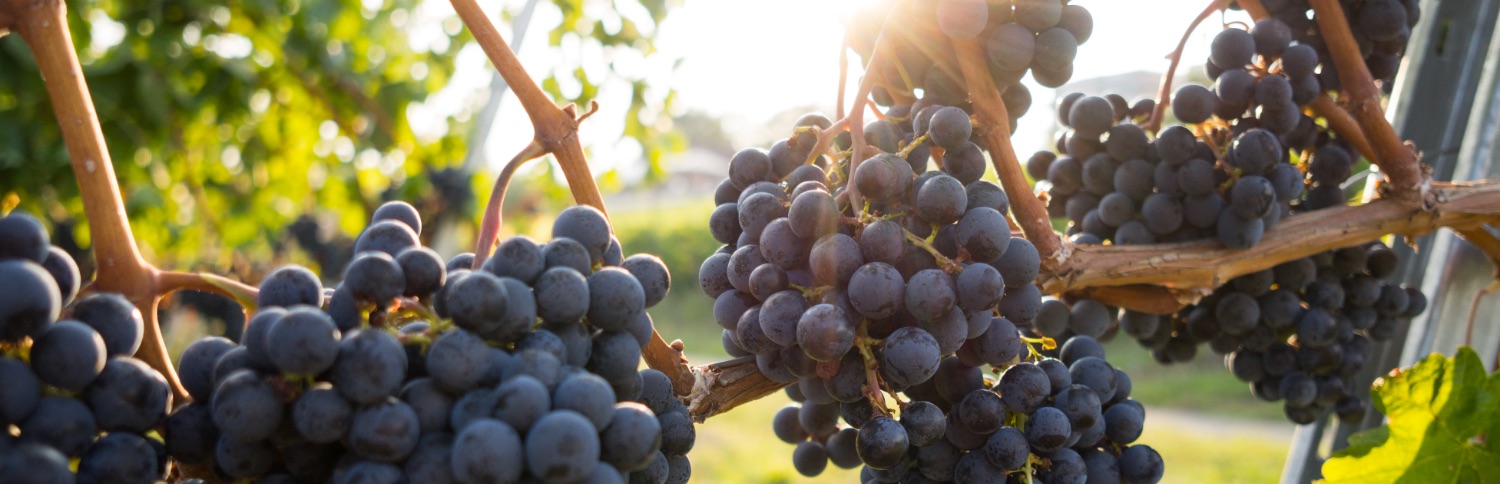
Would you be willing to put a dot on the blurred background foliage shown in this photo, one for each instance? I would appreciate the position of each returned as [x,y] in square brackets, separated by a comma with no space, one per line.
[241,130]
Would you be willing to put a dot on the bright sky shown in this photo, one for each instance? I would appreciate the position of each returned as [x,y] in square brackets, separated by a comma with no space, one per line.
[748,61]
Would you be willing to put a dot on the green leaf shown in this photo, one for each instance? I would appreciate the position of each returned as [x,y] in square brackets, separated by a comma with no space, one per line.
[1444,419]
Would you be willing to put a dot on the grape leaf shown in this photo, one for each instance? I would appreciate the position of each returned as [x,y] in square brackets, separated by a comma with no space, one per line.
[1443,425]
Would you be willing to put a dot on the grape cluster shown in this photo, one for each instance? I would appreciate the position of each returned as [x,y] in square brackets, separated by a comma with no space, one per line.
[1059,421]
[1380,27]
[912,290]
[1231,176]
[1036,36]
[68,382]
[424,370]
[1298,333]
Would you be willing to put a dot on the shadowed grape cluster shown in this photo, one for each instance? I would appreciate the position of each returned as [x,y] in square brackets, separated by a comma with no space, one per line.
[68,382]
[417,369]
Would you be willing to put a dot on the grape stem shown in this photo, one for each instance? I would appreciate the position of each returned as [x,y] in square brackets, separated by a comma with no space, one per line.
[489,226]
[1164,94]
[948,265]
[873,385]
[993,123]
[1474,309]
[1396,160]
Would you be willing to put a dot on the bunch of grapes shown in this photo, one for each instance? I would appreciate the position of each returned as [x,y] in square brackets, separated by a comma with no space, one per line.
[1228,174]
[1380,27]
[1055,420]
[68,382]
[910,291]
[414,368]
[1298,333]
[1036,36]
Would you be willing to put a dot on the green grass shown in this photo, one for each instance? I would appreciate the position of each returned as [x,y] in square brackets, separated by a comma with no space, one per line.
[1211,456]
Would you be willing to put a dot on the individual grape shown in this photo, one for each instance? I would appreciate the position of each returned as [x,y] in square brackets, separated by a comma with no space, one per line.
[930,294]
[724,223]
[1080,346]
[1047,430]
[941,200]
[387,431]
[1024,387]
[1232,49]
[1238,233]
[190,434]
[986,194]
[487,451]
[1193,104]
[1115,209]
[825,333]
[68,355]
[909,356]
[1091,116]
[1077,21]
[949,127]
[61,423]
[303,342]
[1140,463]
[1010,47]
[371,365]
[677,433]
[757,212]
[1038,15]
[1298,61]
[23,237]
[31,301]
[876,290]
[1381,20]
[388,236]
[321,415]
[289,286]
[1123,423]
[119,457]
[615,298]
[116,320]
[246,407]
[1162,213]
[128,396]
[813,213]
[1330,165]
[965,163]
[562,295]
[614,356]
[22,390]
[518,257]
[882,443]
[1271,37]
[1255,151]
[810,458]
[1235,86]
[457,360]
[981,411]
[1252,197]
[244,459]
[374,277]
[1088,317]
[985,233]
[64,271]
[399,211]
[586,225]
[195,368]
[1021,304]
